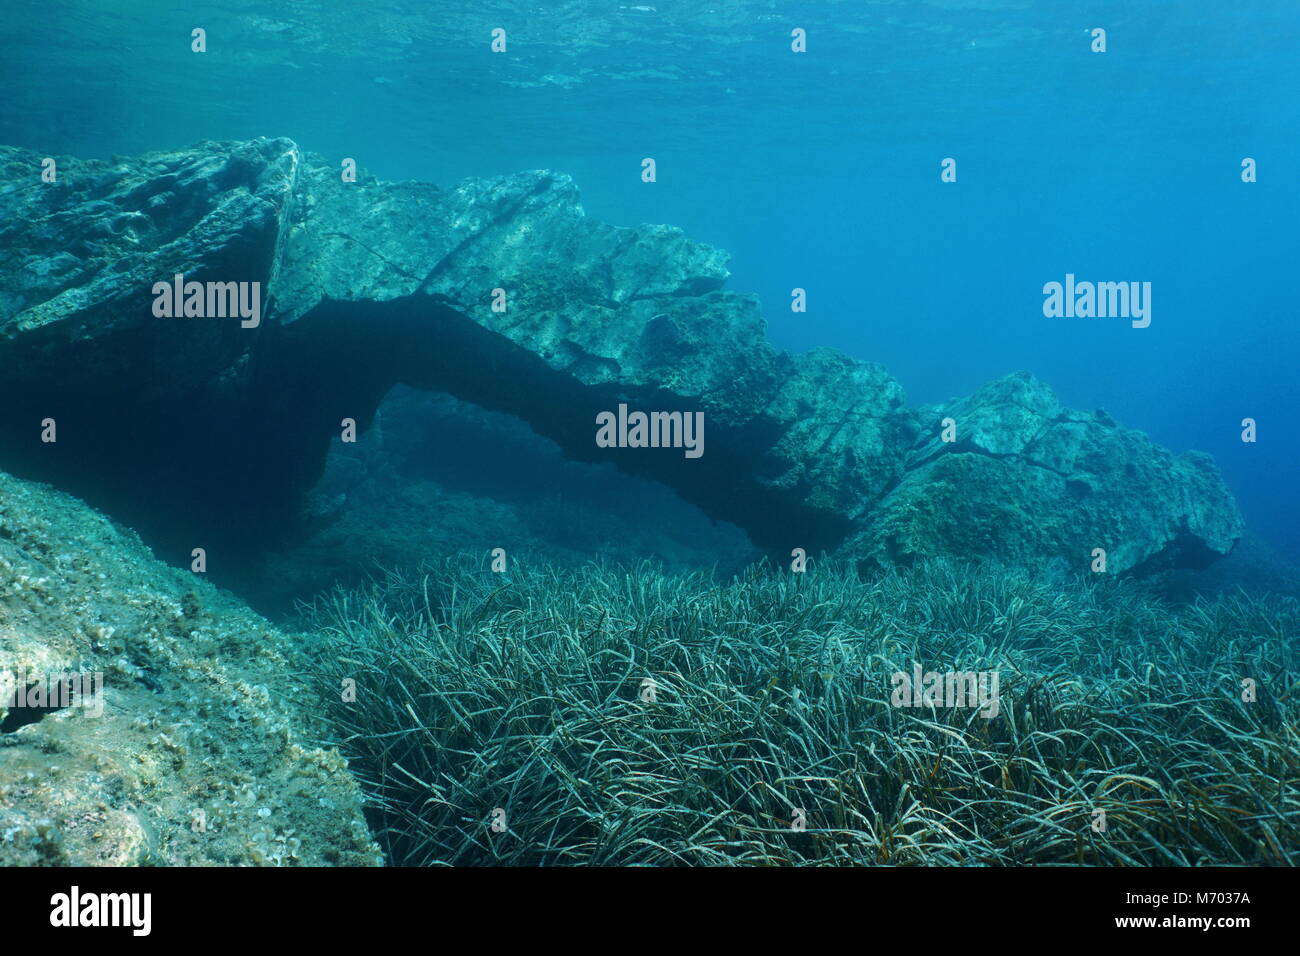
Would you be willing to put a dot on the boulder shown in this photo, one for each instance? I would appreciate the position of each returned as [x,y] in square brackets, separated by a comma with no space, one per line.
[1029,481]
[189,736]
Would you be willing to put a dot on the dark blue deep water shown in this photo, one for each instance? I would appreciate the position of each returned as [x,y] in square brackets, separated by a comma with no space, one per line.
[819,170]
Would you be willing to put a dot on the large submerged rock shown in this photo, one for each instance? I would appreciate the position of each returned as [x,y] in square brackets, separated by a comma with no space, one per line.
[367,284]
[1026,479]
[192,741]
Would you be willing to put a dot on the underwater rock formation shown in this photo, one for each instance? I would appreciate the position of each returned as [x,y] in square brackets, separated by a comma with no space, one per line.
[192,744]
[503,293]
[1026,479]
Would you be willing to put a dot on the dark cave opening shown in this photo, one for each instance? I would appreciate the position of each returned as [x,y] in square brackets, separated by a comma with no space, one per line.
[222,457]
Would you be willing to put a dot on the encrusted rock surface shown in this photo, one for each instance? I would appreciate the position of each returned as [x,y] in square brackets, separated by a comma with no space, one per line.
[1029,480]
[204,709]
[371,283]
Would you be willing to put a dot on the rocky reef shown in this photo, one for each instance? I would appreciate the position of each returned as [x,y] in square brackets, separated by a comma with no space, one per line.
[503,293]
[189,738]
[1026,480]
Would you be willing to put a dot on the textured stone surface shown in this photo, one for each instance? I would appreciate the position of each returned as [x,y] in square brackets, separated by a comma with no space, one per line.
[203,709]
[1027,479]
[373,283]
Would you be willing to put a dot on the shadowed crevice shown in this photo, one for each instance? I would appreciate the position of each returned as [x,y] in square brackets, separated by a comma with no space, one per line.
[224,464]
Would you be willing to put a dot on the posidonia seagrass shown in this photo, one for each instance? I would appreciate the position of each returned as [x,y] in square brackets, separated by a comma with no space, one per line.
[523,691]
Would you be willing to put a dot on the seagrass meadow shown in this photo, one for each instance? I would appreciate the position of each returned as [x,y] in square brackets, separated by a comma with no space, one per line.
[1122,738]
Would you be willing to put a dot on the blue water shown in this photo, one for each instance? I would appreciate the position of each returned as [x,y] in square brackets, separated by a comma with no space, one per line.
[817,170]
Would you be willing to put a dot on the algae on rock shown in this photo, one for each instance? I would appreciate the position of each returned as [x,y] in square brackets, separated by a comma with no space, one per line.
[204,751]
[370,284]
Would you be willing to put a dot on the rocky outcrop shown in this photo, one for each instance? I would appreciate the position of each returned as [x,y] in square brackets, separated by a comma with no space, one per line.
[188,736]
[1026,479]
[503,293]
